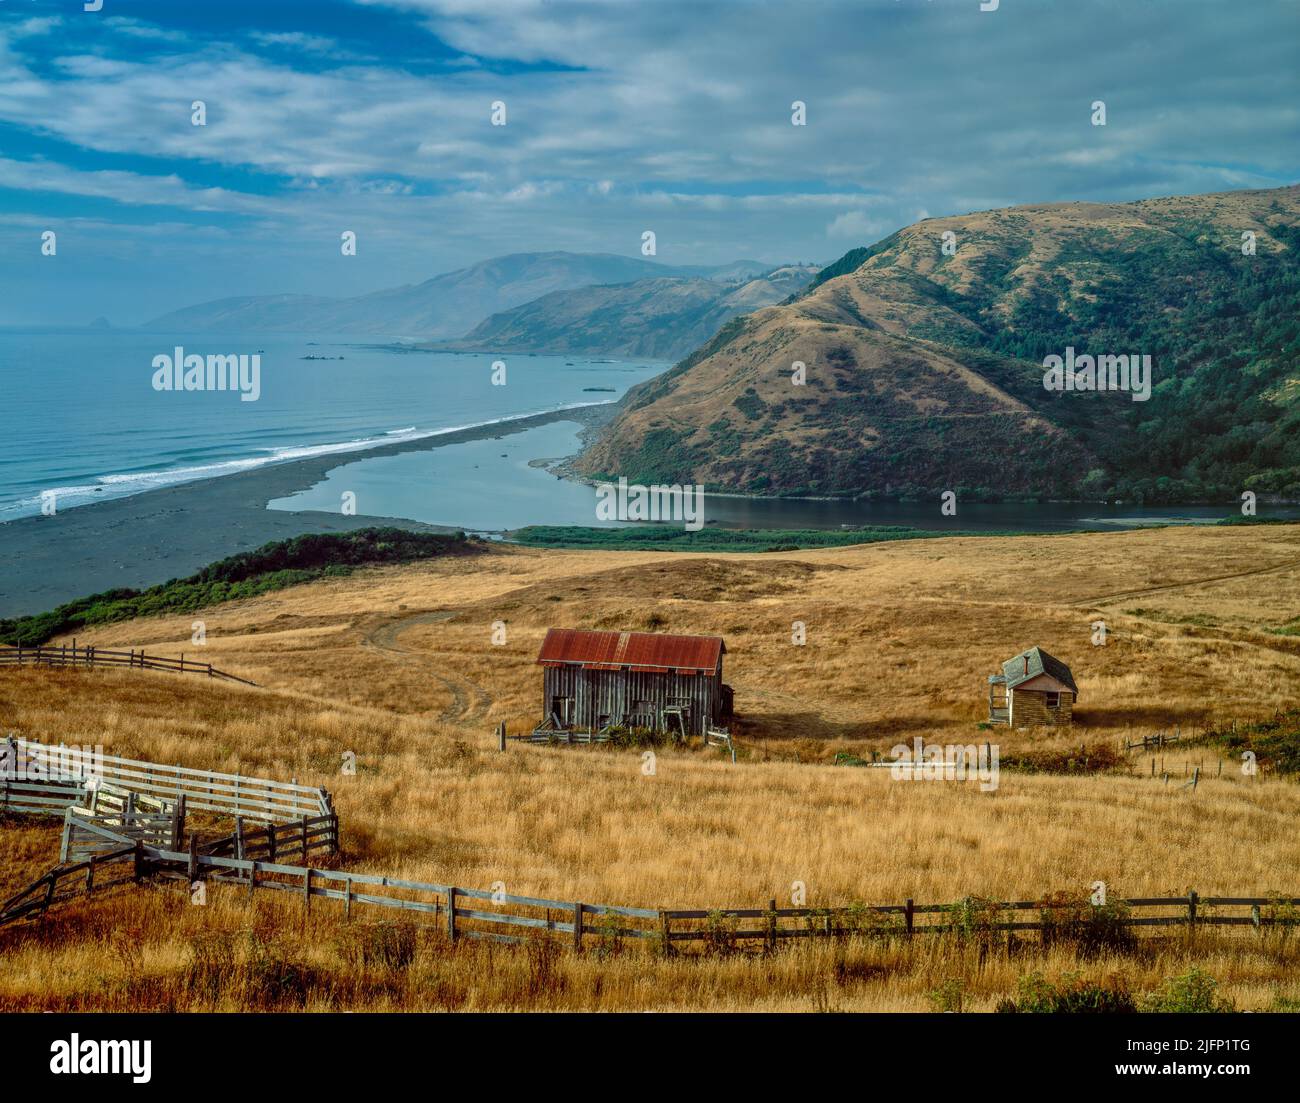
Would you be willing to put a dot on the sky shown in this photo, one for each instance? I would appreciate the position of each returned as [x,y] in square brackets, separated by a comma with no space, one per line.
[375,116]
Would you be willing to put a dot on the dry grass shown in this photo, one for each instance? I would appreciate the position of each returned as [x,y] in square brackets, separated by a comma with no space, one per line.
[148,948]
[397,666]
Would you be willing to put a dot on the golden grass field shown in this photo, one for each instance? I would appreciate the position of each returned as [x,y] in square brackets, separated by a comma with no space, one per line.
[397,666]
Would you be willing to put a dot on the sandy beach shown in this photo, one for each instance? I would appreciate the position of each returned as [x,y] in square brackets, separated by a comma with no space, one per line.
[171,532]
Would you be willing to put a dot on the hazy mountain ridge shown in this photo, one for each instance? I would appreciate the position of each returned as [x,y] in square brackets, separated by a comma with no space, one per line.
[662,318]
[445,306]
[924,371]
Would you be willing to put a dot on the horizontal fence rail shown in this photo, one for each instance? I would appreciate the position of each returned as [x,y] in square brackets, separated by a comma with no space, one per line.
[68,881]
[72,655]
[39,798]
[503,917]
[258,799]
[278,841]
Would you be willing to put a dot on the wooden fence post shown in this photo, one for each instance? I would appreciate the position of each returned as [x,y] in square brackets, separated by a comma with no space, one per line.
[139,860]
[178,822]
[306,888]
[193,864]
[239,838]
[666,932]
[501,736]
[304,840]
[347,899]
[90,876]
[771,925]
[1191,909]
[577,928]
[252,877]
[909,912]
[451,914]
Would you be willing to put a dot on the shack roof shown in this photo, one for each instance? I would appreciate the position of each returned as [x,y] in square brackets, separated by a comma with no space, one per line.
[645,651]
[1032,663]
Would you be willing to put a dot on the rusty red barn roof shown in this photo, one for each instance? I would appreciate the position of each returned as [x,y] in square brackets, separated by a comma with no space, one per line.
[650,651]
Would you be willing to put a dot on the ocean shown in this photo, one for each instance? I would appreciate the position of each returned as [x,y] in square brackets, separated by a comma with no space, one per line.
[79,414]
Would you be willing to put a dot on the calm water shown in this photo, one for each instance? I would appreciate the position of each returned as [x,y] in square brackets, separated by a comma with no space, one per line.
[489,486]
[79,415]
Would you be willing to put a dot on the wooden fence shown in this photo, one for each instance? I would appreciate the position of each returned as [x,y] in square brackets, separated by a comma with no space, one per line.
[39,798]
[1158,741]
[252,798]
[43,894]
[503,917]
[72,655]
[86,837]
[273,841]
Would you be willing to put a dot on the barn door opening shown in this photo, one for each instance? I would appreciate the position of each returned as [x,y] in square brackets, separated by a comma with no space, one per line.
[562,710]
[676,720]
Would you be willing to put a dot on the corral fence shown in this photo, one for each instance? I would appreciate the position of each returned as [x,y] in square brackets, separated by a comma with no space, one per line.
[86,836]
[122,866]
[502,917]
[39,798]
[298,837]
[115,809]
[43,777]
[114,835]
[72,655]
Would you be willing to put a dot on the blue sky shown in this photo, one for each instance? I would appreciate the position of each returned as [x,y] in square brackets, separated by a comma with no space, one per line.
[374,116]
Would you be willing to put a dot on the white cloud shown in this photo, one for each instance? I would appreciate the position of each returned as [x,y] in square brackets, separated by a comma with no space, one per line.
[129,188]
[674,111]
[36,25]
[856,225]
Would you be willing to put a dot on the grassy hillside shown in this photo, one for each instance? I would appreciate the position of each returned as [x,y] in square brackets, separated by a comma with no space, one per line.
[660,318]
[397,666]
[924,370]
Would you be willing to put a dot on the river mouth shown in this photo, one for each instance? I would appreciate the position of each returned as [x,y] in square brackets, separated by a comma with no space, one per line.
[501,483]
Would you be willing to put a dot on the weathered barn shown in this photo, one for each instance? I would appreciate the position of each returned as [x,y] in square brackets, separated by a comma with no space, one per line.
[1033,689]
[598,680]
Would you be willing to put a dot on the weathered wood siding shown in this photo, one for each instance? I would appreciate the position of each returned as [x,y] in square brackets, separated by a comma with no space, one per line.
[634,699]
[1030,709]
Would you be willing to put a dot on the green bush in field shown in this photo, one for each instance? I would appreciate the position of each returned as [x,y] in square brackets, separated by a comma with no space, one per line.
[1274,742]
[1071,995]
[1191,992]
[668,538]
[270,567]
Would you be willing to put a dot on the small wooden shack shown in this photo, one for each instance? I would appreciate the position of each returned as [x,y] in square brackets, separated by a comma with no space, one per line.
[597,680]
[1033,689]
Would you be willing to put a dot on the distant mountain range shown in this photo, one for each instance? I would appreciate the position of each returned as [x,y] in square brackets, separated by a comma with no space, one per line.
[925,367]
[662,318]
[445,306]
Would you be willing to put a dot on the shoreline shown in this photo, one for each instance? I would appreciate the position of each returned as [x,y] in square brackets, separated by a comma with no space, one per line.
[170,532]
